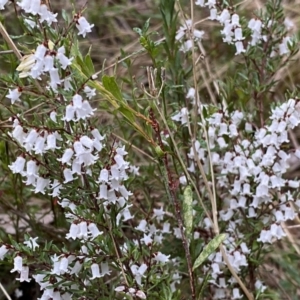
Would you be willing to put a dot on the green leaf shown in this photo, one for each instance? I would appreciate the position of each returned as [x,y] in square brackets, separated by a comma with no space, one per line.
[144,42]
[146,26]
[89,64]
[65,15]
[209,249]
[110,84]
[83,66]
[127,114]
[188,209]
[138,31]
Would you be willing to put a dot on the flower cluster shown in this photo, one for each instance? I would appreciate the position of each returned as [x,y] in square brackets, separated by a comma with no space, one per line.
[186,36]
[250,166]
[232,31]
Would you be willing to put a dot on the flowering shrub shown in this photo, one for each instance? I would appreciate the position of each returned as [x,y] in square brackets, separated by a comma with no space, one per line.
[147,235]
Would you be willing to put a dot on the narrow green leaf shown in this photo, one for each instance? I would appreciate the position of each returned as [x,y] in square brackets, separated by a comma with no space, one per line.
[110,84]
[188,209]
[209,249]
[65,15]
[83,66]
[127,114]
[89,64]
[146,26]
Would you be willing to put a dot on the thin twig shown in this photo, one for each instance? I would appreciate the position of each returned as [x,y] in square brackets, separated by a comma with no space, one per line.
[10,42]
[170,188]
[4,292]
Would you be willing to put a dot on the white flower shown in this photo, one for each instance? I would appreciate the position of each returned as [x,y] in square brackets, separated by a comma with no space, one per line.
[224,16]
[95,271]
[68,174]
[2,3]
[70,113]
[147,239]
[85,111]
[73,232]
[239,47]
[182,116]
[236,294]
[17,167]
[83,230]
[83,26]
[31,243]
[39,145]
[191,93]
[222,142]
[159,214]
[238,34]
[40,52]
[48,63]
[25,5]
[166,227]
[140,294]
[76,268]
[213,14]
[186,46]
[276,231]
[142,226]
[51,141]
[89,92]
[138,272]
[104,269]
[31,139]
[103,177]
[244,248]
[41,185]
[265,236]
[53,115]
[31,168]
[46,15]
[63,266]
[14,95]
[210,3]
[67,83]
[39,278]
[3,251]
[54,78]
[96,134]
[18,264]
[235,20]
[200,3]
[68,154]
[103,191]
[259,286]
[94,231]
[160,257]
[255,25]
[24,274]
[86,142]
[288,23]
[283,47]
[64,61]
[215,270]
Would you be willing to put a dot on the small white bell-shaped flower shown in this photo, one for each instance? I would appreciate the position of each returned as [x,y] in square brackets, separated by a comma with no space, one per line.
[95,271]
[18,264]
